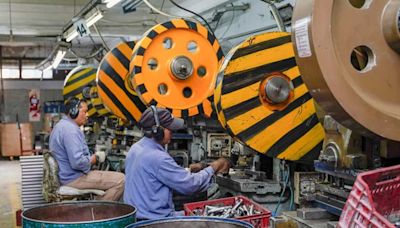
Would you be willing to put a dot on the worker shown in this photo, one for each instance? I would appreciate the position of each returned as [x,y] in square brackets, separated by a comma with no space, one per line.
[69,148]
[151,174]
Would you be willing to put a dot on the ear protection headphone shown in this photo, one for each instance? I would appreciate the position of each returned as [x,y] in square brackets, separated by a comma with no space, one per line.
[157,131]
[72,106]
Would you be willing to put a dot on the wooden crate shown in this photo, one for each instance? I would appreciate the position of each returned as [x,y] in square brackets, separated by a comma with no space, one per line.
[11,139]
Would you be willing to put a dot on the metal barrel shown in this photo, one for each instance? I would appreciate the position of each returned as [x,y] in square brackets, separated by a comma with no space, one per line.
[191,222]
[79,214]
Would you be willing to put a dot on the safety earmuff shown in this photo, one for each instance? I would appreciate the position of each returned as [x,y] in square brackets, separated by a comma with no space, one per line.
[157,131]
[73,107]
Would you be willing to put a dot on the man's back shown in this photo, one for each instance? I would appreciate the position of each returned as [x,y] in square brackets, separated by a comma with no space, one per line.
[68,146]
[151,175]
[142,188]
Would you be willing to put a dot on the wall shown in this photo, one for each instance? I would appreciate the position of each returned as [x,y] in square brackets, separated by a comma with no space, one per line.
[16,99]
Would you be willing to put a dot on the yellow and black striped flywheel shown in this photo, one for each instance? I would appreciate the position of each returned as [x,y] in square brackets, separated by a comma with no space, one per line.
[175,66]
[113,89]
[262,101]
[78,84]
[98,103]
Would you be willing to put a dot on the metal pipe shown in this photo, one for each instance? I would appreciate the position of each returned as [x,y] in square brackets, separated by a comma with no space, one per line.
[276,15]
[87,8]
[1,86]
[262,29]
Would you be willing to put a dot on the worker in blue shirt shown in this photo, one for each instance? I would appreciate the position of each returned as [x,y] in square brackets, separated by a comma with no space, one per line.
[151,174]
[68,146]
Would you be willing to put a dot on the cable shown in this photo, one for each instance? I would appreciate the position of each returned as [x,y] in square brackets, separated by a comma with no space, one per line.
[161,8]
[85,57]
[101,37]
[230,23]
[283,192]
[157,10]
[276,15]
[11,32]
[198,15]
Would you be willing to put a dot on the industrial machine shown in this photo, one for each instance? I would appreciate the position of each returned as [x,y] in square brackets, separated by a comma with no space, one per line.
[280,105]
[348,55]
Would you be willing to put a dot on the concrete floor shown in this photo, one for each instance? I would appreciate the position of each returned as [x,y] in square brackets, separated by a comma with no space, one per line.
[10,191]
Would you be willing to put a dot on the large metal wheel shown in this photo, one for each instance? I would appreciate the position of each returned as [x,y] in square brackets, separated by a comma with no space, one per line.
[348,54]
[262,101]
[97,103]
[78,84]
[112,84]
[175,66]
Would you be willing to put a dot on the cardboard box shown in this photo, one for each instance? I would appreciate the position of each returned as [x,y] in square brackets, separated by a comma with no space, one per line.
[11,139]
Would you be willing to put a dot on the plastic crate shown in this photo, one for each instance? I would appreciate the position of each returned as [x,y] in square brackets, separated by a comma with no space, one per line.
[258,221]
[375,196]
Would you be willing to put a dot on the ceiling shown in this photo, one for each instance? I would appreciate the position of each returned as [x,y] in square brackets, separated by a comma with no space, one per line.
[32,22]
[33,28]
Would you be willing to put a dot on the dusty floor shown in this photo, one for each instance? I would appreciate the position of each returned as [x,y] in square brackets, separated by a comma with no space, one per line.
[10,191]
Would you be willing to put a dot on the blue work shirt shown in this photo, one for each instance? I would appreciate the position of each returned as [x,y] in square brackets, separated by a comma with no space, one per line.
[151,175]
[69,148]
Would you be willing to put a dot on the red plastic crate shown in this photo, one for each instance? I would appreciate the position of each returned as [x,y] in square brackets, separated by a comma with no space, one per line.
[375,196]
[258,221]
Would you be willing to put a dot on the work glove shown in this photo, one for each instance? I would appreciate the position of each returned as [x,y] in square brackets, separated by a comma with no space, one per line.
[100,156]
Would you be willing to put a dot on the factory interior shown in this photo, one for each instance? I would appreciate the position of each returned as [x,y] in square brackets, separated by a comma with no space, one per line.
[189,113]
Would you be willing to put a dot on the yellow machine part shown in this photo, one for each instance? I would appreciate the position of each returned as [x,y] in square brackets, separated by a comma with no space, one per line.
[98,103]
[78,82]
[152,67]
[291,131]
[113,88]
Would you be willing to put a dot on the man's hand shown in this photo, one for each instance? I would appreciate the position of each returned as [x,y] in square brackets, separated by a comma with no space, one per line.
[221,165]
[100,156]
[196,167]
[93,159]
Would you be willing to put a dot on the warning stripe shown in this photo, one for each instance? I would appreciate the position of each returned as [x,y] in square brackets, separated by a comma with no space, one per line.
[112,87]
[137,75]
[293,133]
[76,81]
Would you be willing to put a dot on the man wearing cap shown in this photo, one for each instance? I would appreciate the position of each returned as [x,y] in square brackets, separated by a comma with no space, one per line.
[151,174]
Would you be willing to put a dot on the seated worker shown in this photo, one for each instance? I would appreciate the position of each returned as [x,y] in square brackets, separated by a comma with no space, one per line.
[69,148]
[151,174]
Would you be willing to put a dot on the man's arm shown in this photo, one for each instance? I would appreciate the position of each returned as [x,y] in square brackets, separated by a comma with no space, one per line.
[78,152]
[182,181]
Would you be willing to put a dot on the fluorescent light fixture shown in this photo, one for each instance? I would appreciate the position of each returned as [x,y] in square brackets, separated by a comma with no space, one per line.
[60,55]
[48,68]
[71,36]
[111,3]
[71,33]
[94,18]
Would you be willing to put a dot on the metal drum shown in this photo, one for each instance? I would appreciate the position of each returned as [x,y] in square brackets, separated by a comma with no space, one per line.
[191,222]
[79,214]
[348,53]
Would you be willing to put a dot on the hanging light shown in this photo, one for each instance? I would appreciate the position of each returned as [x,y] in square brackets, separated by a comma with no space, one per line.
[71,33]
[111,3]
[57,60]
